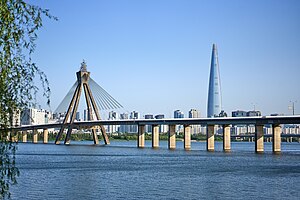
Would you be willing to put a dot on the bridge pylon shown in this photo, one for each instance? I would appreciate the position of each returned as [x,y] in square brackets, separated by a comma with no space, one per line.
[83,77]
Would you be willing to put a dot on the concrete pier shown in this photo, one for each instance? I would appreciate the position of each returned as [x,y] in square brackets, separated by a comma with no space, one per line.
[8,136]
[141,136]
[259,139]
[24,136]
[34,136]
[210,138]
[155,136]
[187,137]
[14,136]
[226,138]
[45,136]
[172,137]
[95,137]
[276,131]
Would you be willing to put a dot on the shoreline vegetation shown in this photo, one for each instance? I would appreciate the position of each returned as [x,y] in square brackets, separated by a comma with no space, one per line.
[116,136]
[81,136]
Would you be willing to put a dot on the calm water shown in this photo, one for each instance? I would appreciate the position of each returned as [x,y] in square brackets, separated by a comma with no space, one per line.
[121,171]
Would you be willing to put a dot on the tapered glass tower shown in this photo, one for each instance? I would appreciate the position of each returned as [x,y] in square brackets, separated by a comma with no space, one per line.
[214,102]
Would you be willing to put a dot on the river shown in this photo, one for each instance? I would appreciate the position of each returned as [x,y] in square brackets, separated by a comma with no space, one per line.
[122,171]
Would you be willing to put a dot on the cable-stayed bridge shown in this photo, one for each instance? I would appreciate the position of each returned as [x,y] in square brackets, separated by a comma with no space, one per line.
[97,98]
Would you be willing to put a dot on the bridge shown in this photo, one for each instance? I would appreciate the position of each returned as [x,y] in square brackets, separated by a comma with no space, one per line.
[210,123]
[96,97]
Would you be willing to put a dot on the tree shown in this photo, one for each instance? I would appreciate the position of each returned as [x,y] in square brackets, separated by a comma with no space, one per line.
[19,23]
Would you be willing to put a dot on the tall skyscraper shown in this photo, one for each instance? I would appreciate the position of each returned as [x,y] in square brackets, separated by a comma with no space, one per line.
[214,103]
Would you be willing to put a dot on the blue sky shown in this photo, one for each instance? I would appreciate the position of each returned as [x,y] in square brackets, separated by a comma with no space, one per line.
[153,56]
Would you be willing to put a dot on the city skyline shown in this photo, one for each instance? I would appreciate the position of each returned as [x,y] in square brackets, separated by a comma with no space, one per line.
[154,56]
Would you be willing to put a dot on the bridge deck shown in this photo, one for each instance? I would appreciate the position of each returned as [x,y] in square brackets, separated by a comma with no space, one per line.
[180,121]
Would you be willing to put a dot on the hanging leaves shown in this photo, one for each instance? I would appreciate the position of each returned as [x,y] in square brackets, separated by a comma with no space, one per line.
[19,23]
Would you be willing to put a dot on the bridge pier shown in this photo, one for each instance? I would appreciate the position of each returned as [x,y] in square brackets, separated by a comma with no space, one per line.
[95,137]
[172,137]
[226,138]
[24,136]
[141,136]
[276,131]
[45,136]
[259,139]
[187,137]
[210,138]
[14,136]
[8,136]
[34,136]
[155,136]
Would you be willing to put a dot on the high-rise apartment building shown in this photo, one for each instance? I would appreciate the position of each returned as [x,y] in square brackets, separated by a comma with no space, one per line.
[124,128]
[33,116]
[162,128]
[178,114]
[113,128]
[134,128]
[85,115]
[193,113]
[77,116]
[148,128]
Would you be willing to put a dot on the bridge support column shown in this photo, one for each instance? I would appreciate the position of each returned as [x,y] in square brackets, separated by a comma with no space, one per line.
[34,136]
[226,138]
[17,136]
[14,136]
[276,131]
[210,138]
[187,137]
[172,137]
[141,136]
[45,136]
[24,136]
[259,139]
[155,136]
[8,137]
[95,137]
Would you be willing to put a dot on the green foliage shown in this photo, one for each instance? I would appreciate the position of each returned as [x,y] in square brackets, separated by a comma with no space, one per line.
[9,171]
[19,23]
